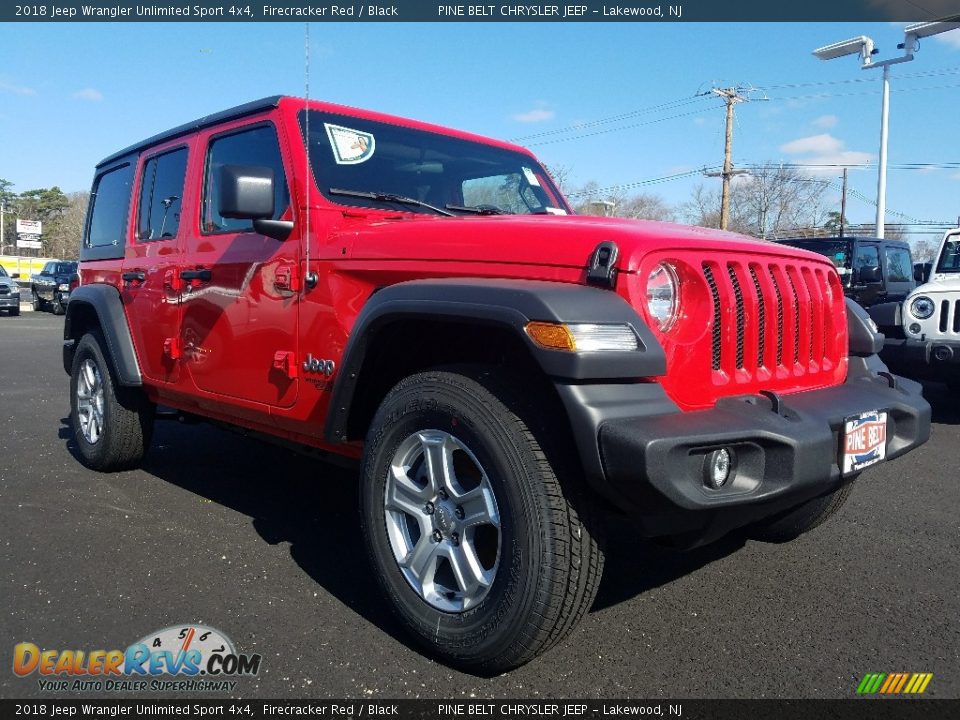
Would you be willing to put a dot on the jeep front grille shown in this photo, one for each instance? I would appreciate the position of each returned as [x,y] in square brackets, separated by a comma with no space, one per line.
[797,294]
[949,316]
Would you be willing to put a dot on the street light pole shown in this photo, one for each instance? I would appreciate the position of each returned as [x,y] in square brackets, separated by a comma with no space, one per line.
[865,48]
[882,175]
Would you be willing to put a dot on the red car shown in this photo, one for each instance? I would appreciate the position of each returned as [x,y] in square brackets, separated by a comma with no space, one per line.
[424,300]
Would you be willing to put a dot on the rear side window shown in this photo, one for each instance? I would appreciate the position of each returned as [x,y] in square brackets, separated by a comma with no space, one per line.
[257,146]
[161,192]
[109,208]
[867,256]
[899,267]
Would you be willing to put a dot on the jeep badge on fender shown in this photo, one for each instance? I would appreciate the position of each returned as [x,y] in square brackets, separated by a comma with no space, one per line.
[508,372]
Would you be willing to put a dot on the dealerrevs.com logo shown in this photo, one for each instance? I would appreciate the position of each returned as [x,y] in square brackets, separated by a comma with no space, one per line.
[180,657]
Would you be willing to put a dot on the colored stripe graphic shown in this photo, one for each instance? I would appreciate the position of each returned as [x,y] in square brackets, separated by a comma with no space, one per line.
[894,683]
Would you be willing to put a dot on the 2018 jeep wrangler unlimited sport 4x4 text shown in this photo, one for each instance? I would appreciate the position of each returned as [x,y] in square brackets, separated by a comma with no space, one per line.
[423,300]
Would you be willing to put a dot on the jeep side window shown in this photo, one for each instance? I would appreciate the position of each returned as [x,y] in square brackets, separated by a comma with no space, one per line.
[257,146]
[899,267]
[110,203]
[867,256]
[161,192]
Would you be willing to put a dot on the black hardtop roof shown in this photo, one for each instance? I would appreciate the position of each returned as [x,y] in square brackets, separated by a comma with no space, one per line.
[206,121]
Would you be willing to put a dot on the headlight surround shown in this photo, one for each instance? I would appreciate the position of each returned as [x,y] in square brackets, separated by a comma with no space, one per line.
[922,307]
[63,287]
[663,296]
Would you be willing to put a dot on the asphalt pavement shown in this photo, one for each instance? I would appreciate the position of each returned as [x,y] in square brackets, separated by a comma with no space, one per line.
[264,545]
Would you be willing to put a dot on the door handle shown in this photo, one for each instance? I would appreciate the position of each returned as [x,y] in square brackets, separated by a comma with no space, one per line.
[203,275]
[134,276]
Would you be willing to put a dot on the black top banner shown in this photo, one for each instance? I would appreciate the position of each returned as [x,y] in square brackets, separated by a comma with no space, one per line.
[454,11]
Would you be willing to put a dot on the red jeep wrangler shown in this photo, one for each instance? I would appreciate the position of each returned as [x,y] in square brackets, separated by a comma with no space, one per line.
[424,300]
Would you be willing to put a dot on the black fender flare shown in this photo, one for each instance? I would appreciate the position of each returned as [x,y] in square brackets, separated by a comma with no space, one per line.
[106,304]
[509,304]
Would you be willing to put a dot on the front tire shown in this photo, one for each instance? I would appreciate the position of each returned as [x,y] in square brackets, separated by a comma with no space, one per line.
[35,301]
[58,307]
[112,425]
[481,536]
[801,519]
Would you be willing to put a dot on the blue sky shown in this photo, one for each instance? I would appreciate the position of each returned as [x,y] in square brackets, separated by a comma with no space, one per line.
[71,94]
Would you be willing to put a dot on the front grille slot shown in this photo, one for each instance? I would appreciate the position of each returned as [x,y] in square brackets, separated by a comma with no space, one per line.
[717,330]
[776,287]
[761,318]
[944,315]
[956,316]
[738,297]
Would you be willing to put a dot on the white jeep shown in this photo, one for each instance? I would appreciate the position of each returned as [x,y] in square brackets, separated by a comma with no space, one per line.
[931,319]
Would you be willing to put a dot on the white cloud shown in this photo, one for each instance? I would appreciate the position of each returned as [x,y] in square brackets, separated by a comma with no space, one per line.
[819,144]
[16,89]
[956,176]
[89,94]
[826,121]
[824,150]
[699,121]
[951,38]
[537,114]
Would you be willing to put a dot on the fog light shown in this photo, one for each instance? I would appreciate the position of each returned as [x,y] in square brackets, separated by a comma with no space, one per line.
[914,328]
[717,467]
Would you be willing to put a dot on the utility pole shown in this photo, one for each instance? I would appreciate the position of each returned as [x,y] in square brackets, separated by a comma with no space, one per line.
[731,96]
[843,203]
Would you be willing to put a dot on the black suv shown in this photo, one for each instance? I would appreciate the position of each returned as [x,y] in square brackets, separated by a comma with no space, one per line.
[873,270]
[51,286]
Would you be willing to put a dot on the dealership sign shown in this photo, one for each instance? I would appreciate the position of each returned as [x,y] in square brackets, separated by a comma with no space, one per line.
[29,227]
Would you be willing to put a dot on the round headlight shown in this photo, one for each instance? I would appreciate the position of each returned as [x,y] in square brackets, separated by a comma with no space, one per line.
[922,307]
[663,295]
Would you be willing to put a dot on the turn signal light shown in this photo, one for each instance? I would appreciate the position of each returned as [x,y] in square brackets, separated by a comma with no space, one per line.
[551,336]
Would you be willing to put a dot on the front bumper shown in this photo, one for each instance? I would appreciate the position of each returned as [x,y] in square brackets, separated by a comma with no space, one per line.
[788,449]
[923,358]
[9,301]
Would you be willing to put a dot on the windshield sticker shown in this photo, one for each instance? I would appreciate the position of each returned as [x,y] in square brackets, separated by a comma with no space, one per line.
[555,211]
[350,147]
[531,178]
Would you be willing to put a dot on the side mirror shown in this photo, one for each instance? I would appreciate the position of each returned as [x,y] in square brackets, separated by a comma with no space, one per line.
[245,192]
[921,272]
[870,275]
[15,276]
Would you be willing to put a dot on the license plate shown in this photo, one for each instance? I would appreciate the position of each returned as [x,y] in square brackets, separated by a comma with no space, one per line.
[864,440]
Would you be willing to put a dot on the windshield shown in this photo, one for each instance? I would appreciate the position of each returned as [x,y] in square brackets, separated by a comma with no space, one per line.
[950,256]
[373,164]
[3,273]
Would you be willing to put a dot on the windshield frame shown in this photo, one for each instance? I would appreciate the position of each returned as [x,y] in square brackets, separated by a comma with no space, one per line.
[551,199]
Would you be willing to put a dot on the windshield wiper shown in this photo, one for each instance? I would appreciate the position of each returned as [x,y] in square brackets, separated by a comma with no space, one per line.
[389,197]
[479,209]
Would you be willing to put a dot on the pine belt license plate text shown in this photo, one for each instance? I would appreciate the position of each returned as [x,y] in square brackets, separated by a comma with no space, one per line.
[864,441]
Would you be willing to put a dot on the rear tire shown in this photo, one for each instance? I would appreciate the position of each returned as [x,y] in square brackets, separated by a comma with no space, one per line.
[112,425]
[802,519]
[15,311]
[519,599]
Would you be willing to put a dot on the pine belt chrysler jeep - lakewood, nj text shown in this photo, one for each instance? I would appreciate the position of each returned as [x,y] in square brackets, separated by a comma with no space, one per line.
[423,300]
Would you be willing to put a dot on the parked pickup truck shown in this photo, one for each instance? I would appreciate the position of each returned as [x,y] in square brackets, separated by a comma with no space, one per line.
[50,288]
[424,300]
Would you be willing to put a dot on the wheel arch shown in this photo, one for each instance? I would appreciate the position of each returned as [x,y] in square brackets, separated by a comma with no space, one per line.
[99,306]
[412,326]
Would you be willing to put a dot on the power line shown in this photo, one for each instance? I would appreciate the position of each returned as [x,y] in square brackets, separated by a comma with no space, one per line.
[623,127]
[577,127]
[639,183]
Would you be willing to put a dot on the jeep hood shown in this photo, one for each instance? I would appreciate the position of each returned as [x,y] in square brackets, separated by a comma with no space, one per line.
[557,241]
